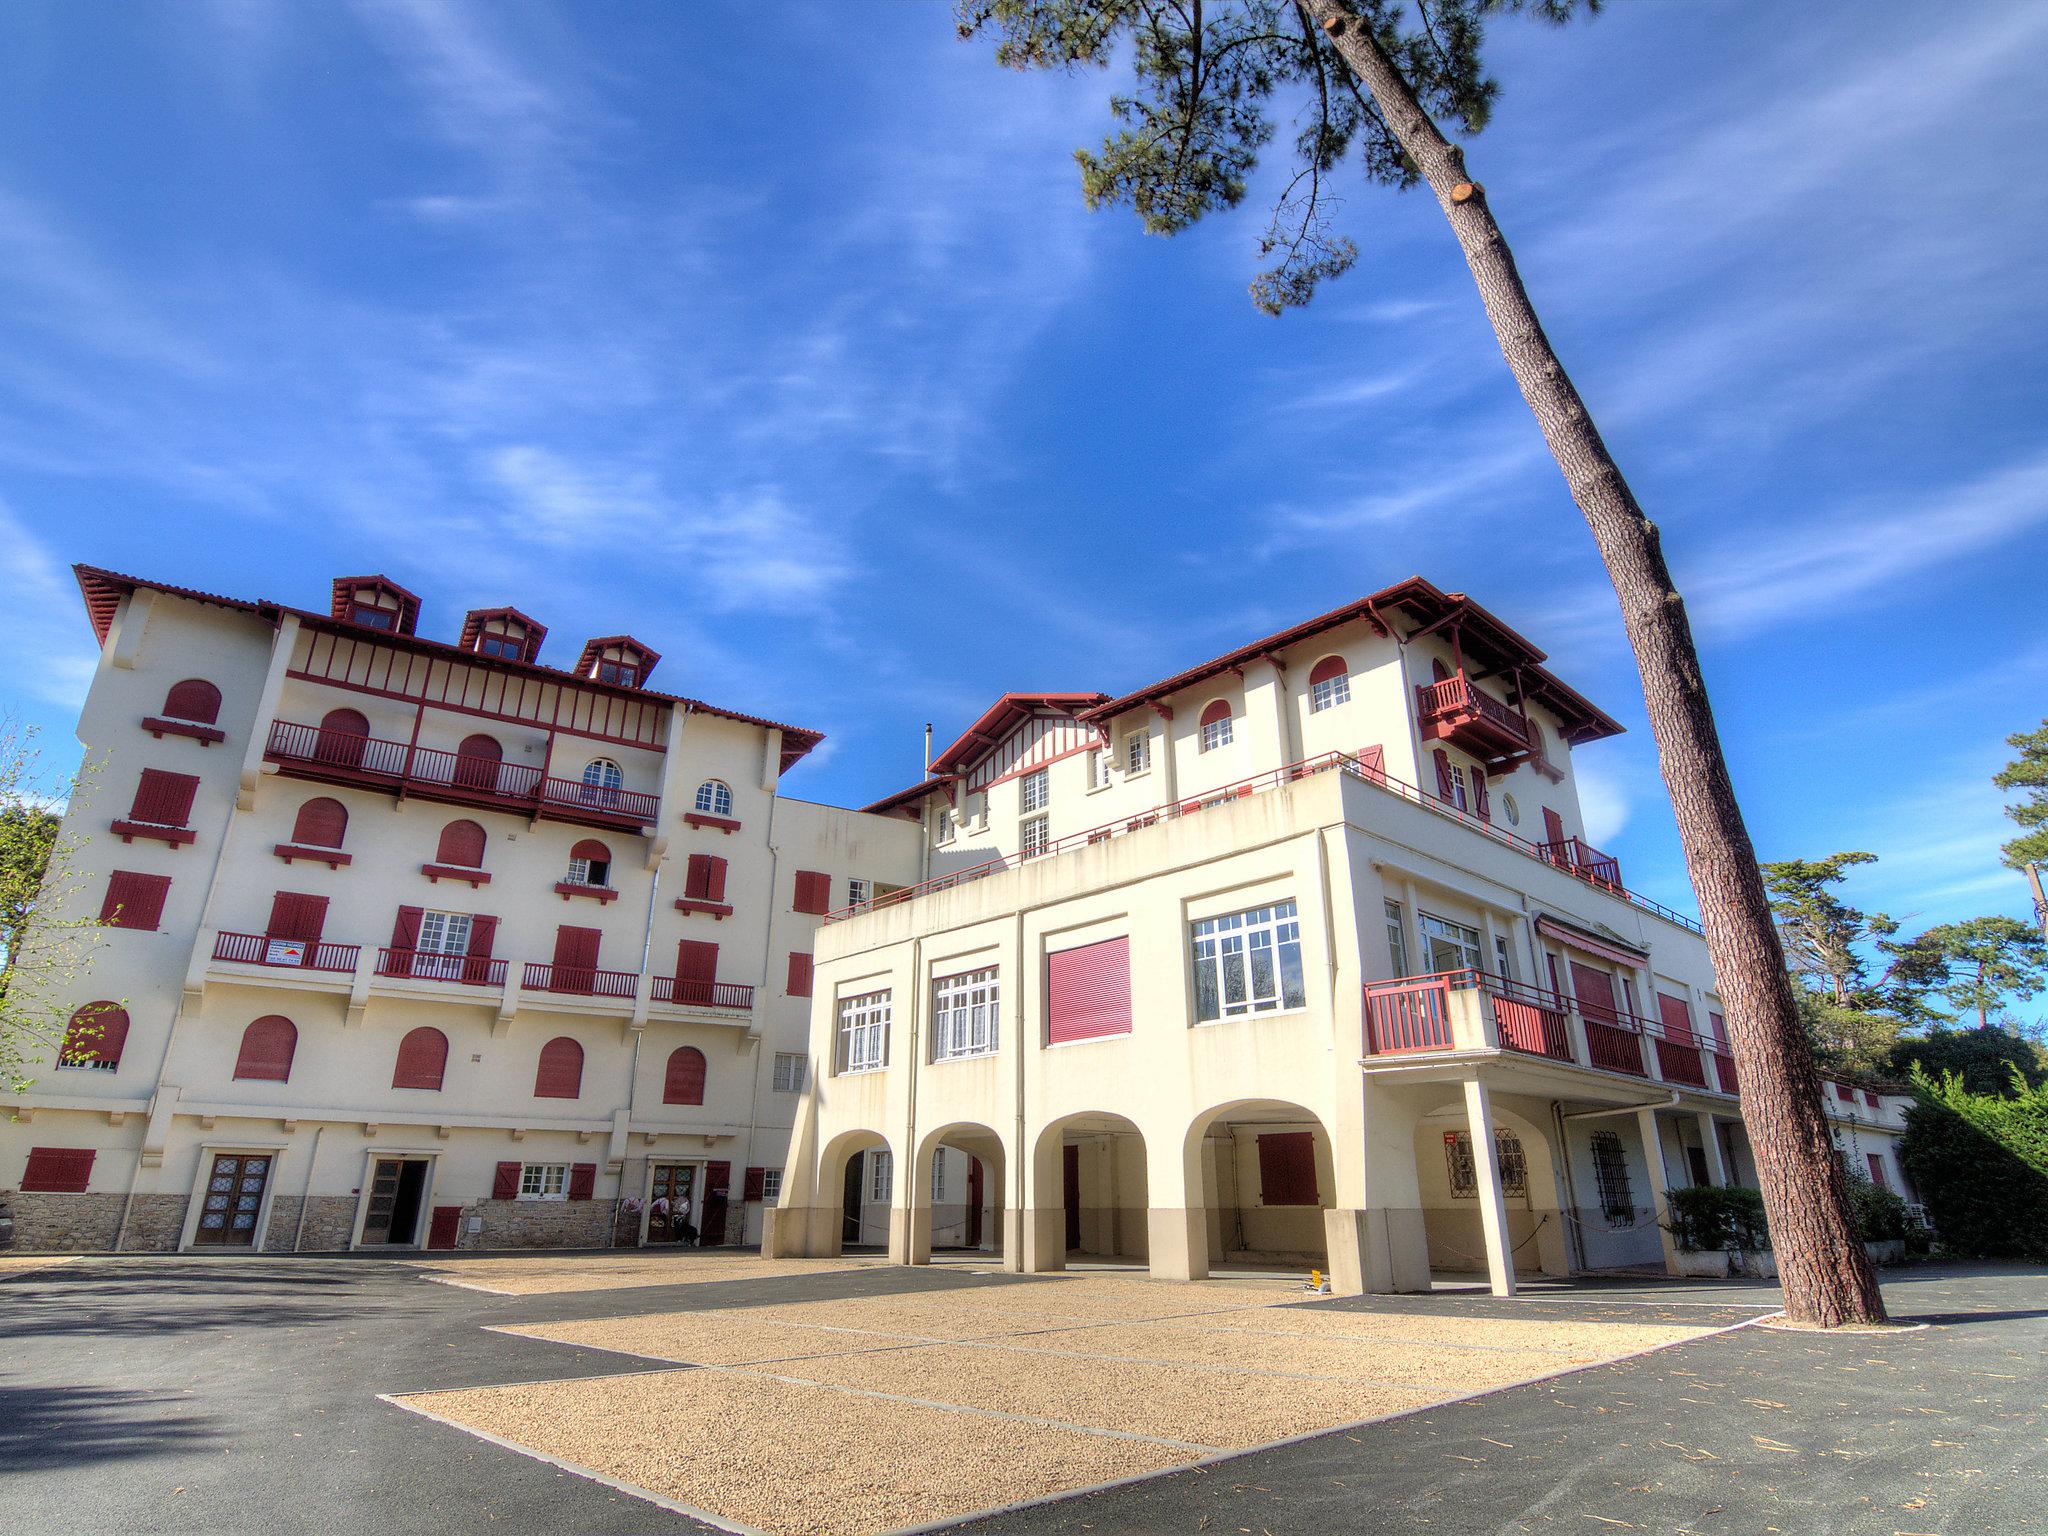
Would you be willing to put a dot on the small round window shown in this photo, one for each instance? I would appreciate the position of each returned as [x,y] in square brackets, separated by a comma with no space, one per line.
[714,798]
[1512,810]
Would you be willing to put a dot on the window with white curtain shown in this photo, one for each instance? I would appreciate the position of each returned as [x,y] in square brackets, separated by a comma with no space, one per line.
[864,1032]
[964,1015]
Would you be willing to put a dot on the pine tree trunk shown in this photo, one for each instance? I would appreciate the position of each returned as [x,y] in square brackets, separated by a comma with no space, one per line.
[1826,1275]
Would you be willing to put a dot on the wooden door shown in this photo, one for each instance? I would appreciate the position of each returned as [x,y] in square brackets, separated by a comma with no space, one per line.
[233,1200]
[393,1214]
[976,1193]
[672,1203]
[476,762]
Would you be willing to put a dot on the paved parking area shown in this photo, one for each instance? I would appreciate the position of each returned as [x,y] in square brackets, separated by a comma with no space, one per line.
[211,1395]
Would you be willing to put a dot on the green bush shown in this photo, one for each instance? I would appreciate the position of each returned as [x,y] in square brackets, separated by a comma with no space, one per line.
[1980,1164]
[1880,1214]
[1709,1218]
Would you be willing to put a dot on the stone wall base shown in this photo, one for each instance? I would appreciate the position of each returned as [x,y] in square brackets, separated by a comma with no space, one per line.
[539,1224]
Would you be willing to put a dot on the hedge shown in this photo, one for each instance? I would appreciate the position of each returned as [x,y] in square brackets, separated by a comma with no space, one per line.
[1980,1164]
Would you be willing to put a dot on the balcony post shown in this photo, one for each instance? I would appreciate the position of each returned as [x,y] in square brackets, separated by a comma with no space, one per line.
[359,987]
[1646,992]
[1660,1191]
[1574,1021]
[1493,1212]
[1710,1140]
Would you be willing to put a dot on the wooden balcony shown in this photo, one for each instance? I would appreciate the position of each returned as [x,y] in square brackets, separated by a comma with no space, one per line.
[1432,1013]
[1474,722]
[579,980]
[426,773]
[1577,857]
[689,993]
[283,953]
[426,965]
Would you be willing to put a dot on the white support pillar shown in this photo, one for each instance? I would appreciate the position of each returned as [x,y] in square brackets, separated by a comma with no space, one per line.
[1710,1139]
[1493,1211]
[1660,1188]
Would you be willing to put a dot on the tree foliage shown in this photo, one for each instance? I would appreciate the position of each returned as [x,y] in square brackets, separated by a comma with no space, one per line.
[44,942]
[1209,78]
[1988,1060]
[2028,772]
[1820,931]
[1980,1164]
[1973,966]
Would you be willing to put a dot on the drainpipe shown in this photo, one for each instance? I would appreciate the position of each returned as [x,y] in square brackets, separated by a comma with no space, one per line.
[767,961]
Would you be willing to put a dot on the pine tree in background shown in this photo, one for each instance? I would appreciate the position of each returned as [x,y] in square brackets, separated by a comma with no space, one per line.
[1374,83]
[2029,851]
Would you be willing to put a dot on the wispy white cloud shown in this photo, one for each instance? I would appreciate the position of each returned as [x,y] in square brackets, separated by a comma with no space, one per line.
[49,650]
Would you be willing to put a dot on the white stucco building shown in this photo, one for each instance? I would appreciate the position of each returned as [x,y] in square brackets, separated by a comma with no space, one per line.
[1246,964]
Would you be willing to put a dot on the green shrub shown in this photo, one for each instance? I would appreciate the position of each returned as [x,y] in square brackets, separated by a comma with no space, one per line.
[1880,1214]
[1980,1164]
[1709,1218]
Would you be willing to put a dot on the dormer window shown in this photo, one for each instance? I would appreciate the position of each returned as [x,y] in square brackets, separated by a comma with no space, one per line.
[619,660]
[375,602]
[503,633]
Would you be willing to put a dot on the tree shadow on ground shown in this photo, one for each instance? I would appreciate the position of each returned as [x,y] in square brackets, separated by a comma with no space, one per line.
[65,1427]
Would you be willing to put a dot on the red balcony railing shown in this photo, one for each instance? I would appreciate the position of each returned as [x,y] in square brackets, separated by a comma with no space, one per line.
[581,980]
[702,994]
[1587,862]
[1724,1072]
[286,954]
[468,780]
[1529,1019]
[1413,1014]
[425,965]
[1456,696]
[1679,1060]
[1453,710]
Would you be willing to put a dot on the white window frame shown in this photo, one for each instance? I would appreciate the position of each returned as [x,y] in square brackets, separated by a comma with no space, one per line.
[771,1185]
[859,892]
[442,944]
[714,798]
[1469,943]
[580,873]
[863,1033]
[881,1177]
[938,1174]
[1216,734]
[1035,790]
[1098,769]
[1034,836]
[1243,942]
[791,1070]
[543,1181]
[948,826]
[1397,938]
[1138,753]
[966,1019]
[1329,693]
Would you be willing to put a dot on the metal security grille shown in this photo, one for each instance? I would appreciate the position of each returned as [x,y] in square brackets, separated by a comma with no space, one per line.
[1509,1158]
[1610,1176]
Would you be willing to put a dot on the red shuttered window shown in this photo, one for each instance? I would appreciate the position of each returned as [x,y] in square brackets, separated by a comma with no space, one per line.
[560,1075]
[684,1083]
[164,799]
[422,1059]
[321,823]
[195,699]
[813,892]
[582,1181]
[1553,826]
[1088,992]
[57,1170]
[462,844]
[268,1046]
[799,984]
[704,878]
[1287,1168]
[1675,1016]
[505,1182]
[134,901]
[296,916]
[95,1037]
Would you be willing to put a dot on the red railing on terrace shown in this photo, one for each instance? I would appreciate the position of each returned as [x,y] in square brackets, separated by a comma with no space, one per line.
[425,965]
[1529,1019]
[581,980]
[1413,1014]
[286,954]
[1455,695]
[1341,762]
[1724,1071]
[1576,857]
[703,994]
[1680,1058]
[399,763]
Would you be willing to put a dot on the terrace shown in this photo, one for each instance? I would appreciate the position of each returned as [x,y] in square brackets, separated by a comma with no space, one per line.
[1474,722]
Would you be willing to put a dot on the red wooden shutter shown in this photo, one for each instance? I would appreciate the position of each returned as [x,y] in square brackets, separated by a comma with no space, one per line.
[1444,789]
[505,1182]
[697,878]
[1287,1168]
[714,878]
[582,1180]
[799,984]
[813,892]
[268,1046]
[194,699]
[718,1179]
[576,958]
[696,970]
[1480,803]
[97,1032]
[591,850]
[297,916]
[684,1082]
[164,799]
[1675,1015]
[476,762]
[1595,992]
[57,1170]
[321,823]
[1877,1174]
[462,844]
[1373,760]
[1553,826]
[1438,671]
[342,738]
[1719,1028]
[757,1181]
[422,1059]
[134,901]
[560,1074]
[1088,991]
[405,936]
[483,934]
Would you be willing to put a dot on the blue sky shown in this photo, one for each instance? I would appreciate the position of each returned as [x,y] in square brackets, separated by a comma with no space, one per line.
[791,348]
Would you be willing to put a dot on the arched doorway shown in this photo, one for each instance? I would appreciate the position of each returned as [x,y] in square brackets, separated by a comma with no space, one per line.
[963,1168]
[1091,1192]
[1265,1174]
[857,1174]
[1447,1176]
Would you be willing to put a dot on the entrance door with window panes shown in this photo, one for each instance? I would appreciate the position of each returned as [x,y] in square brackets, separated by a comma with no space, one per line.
[672,1203]
[443,942]
[233,1200]
[398,1188]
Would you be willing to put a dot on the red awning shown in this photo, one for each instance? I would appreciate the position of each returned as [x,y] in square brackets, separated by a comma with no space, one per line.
[1590,943]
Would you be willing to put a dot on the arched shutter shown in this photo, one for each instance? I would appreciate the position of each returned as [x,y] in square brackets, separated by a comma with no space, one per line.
[1217,712]
[268,1045]
[684,1083]
[97,1032]
[194,699]
[560,1075]
[1438,671]
[321,823]
[343,733]
[1327,670]
[462,844]
[422,1059]
[590,848]
[476,762]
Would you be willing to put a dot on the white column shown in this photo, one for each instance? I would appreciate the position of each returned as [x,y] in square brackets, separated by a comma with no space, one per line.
[1660,1189]
[1710,1139]
[1493,1211]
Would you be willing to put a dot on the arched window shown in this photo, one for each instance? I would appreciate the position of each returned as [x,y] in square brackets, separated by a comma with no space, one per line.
[268,1046]
[476,762]
[321,823]
[714,798]
[685,1081]
[1438,672]
[422,1059]
[195,699]
[1216,725]
[1329,684]
[561,1070]
[94,1037]
[601,781]
[462,844]
[342,738]
[590,863]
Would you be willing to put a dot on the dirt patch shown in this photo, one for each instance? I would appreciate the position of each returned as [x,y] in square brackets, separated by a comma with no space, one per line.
[714,1338]
[21,1264]
[1378,1362]
[520,1276]
[795,1459]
